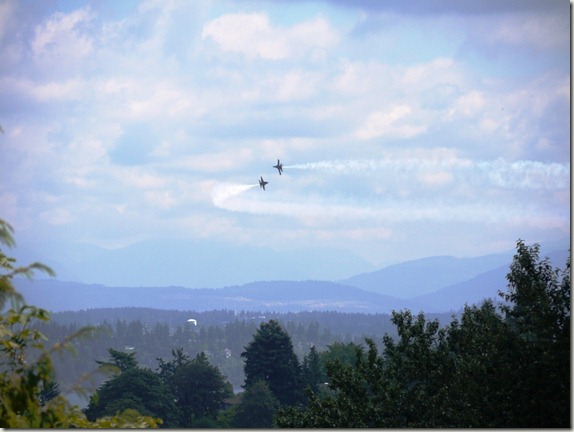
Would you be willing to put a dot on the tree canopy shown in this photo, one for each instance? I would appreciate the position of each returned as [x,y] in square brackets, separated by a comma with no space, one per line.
[270,357]
[136,389]
[495,367]
[257,407]
[199,389]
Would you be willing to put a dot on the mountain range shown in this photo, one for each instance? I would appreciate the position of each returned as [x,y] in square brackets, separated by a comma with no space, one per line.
[193,264]
[433,284]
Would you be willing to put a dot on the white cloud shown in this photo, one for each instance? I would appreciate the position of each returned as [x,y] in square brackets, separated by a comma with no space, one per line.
[160,101]
[216,161]
[254,36]
[436,179]
[142,180]
[313,212]
[469,104]
[57,216]
[52,91]
[359,78]
[295,85]
[161,199]
[389,123]
[62,36]
[218,115]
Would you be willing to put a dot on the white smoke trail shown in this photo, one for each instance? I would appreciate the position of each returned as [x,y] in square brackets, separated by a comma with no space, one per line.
[522,174]
[362,165]
[223,191]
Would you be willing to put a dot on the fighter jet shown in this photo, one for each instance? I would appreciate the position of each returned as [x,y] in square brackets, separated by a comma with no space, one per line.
[279,166]
[262,183]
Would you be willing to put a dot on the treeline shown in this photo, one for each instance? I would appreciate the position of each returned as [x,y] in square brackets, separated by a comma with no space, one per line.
[220,335]
[494,367]
[505,365]
[186,392]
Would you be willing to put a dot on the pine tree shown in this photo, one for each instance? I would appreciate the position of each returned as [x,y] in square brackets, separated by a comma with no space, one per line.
[313,373]
[270,357]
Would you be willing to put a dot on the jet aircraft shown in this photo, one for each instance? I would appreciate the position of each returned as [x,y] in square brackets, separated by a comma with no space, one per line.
[262,183]
[279,166]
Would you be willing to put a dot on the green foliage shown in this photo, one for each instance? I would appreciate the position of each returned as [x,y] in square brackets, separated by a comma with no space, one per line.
[313,372]
[119,360]
[29,396]
[167,369]
[48,391]
[490,369]
[199,389]
[135,389]
[538,314]
[346,353]
[257,407]
[183,393]
[10,270]
[270,357]
[153,333]
[129,418]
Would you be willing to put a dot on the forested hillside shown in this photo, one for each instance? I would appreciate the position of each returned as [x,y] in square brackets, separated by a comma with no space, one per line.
[221,335]
[494,365]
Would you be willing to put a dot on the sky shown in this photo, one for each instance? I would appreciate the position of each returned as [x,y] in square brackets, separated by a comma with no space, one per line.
[406,129]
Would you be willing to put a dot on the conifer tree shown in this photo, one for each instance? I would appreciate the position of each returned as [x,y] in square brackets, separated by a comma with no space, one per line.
[270,357]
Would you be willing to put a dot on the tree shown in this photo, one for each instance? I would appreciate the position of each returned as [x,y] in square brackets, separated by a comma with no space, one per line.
[119,360]
[538,313]
[312,370]
[349,404]
[167,369]
[199,389]
[270,357]
[488,370]
[257,407]
[135,389]
[48,391]
[29,396]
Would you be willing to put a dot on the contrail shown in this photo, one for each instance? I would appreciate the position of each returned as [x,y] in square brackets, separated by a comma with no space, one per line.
[361,165]
[223,191]
[523,174]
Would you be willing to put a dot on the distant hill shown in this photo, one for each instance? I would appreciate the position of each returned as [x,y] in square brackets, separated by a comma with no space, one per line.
[475,290]
[193,264]
[283,296]
[437,284]
[412,279]
[424,276]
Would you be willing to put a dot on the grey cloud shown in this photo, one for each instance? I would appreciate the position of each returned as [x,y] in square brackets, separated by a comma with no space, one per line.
[468,7]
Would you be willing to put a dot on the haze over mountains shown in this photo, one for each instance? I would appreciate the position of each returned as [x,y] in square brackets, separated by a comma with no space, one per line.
[282,282]
[192,264]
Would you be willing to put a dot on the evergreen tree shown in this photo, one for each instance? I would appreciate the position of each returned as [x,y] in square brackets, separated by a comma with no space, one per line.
[257,407]
[166,370]
[270,357]
[312,370]
[199,389]
[119,360]
[48,391]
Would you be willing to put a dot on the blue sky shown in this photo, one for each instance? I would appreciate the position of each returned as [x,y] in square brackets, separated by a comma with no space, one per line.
[406,129]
